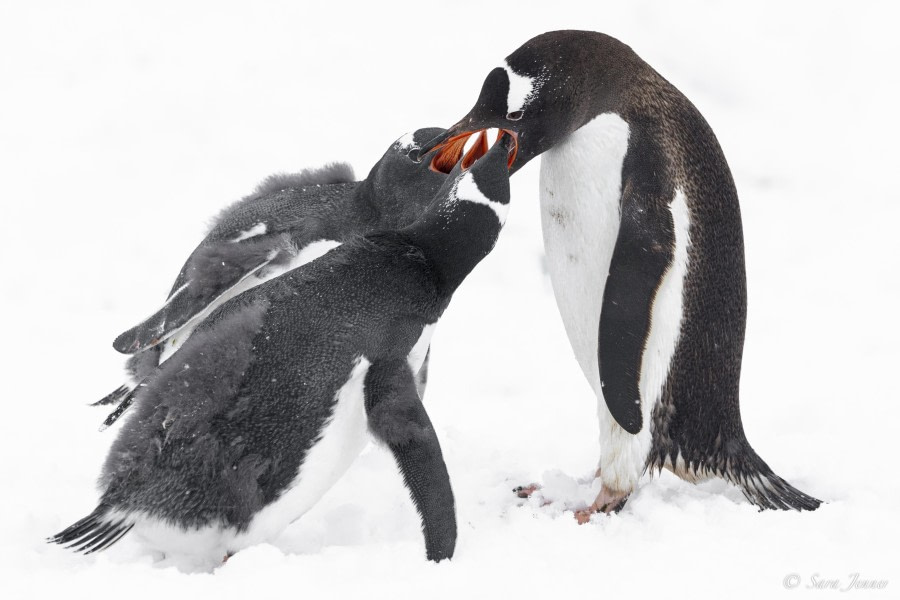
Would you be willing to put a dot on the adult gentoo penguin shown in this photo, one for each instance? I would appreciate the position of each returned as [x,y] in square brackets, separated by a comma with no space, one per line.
[267,403]
[642,231]
[288,221]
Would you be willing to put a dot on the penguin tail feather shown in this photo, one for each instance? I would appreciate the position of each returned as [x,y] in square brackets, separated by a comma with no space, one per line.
[763,487]
[93,533]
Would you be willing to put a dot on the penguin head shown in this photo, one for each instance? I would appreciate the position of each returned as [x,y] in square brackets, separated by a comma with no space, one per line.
[545,90]
[397,178]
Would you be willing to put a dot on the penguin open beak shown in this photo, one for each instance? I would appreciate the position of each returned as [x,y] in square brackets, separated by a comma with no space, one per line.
[449,147]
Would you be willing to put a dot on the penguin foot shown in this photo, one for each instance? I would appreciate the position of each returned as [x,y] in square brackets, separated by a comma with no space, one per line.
[525,491]
[584,515]
[607,502]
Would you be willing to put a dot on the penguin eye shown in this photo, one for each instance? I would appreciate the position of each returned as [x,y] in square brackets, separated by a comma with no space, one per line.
[515,115]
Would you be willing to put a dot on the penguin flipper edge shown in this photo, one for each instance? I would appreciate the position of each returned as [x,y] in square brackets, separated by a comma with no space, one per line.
[184,305]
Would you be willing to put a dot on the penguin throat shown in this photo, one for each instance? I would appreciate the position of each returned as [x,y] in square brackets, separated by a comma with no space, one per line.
[450,152]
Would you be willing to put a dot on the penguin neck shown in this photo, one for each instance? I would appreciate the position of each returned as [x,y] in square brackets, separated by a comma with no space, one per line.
[363,202]
[392,202]
[454,235]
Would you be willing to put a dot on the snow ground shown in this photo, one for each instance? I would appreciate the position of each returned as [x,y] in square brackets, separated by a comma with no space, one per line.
[124,127]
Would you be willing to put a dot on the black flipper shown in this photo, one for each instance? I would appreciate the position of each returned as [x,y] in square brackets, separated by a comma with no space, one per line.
[212,270]
[642,254]
[93,533]
[397,417]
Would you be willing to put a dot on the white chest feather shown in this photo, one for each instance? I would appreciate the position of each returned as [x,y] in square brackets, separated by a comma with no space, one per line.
[581,185]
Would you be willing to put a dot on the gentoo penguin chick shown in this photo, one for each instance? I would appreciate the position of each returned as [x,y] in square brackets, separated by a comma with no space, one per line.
[642,231]
[289,220]
[267,403]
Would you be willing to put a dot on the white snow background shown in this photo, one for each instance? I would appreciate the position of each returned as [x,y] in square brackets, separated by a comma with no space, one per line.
[125,126]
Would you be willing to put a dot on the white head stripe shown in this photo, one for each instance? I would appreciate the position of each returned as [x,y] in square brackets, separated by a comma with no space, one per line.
[521,89]
[406,141]
[467,189]
[258,229]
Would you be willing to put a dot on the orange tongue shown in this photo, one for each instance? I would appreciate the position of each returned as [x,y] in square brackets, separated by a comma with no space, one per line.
[449,153]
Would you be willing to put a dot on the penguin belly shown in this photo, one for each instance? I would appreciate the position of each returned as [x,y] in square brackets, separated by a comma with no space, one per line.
[308,253]
[581,188]
[340,441]
[581,185]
